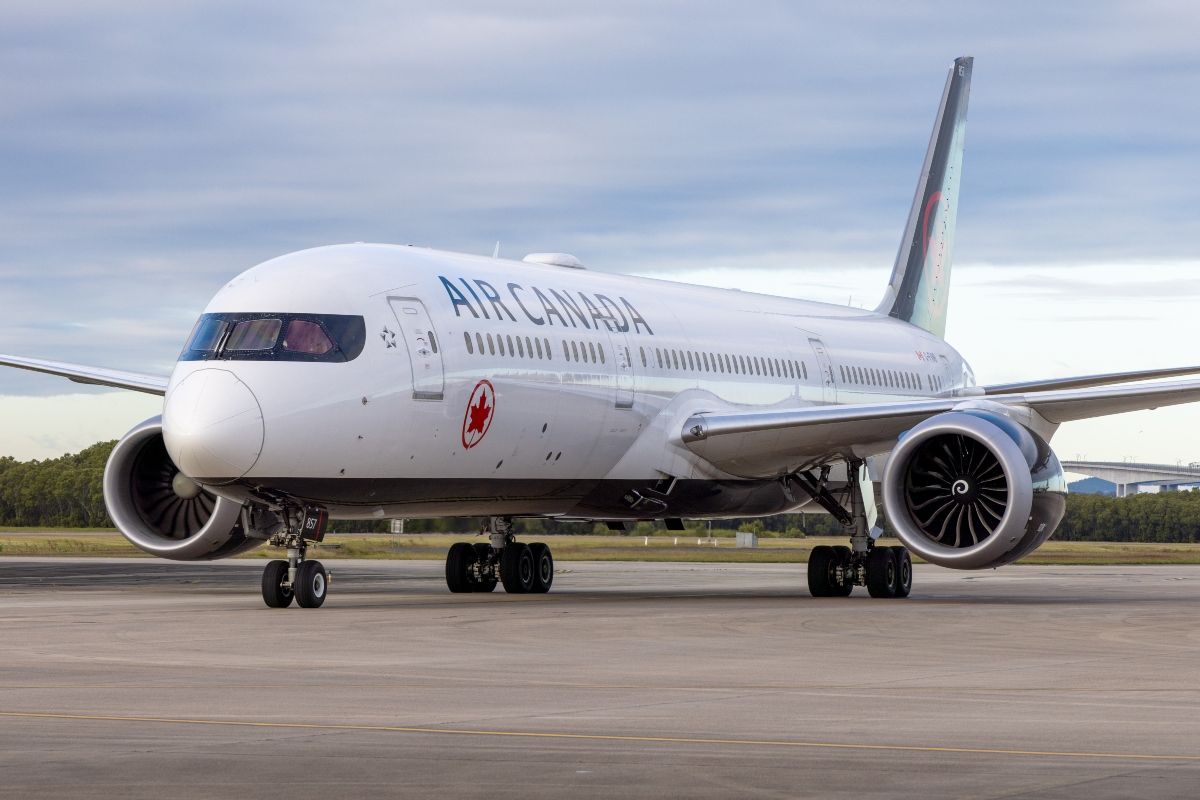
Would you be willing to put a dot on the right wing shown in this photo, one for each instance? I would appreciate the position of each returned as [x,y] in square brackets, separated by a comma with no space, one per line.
[1088,381]
[764,443]
[138,382]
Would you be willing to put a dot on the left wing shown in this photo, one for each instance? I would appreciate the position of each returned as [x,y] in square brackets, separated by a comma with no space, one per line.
[138,382]
[762,443]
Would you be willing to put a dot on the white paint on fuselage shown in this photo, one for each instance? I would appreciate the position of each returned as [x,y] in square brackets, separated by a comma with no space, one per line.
[555,418]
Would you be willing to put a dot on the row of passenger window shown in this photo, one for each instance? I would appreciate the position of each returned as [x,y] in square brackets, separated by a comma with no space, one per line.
[889,378]
[517,346]
[533,347]
[696,361]
[728,364]
[665,358]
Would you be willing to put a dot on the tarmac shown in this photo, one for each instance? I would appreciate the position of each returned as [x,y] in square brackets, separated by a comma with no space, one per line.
[139,678]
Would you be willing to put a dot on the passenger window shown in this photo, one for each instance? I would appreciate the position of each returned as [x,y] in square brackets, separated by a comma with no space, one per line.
[642,350]
[491,345]
[479,343]
[511,350]
[304,336]
[549,354]
[500,343]
[600,349]
[520,347]
[538,342]
[470,347]
[592,351]
[254,334]
[574,351]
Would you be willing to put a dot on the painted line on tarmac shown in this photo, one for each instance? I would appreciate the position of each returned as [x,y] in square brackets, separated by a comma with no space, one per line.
[597,737]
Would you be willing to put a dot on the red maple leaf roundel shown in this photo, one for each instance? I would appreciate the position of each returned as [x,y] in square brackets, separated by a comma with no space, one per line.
[478,418]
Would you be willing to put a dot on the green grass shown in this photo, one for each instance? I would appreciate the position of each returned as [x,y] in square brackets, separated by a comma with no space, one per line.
[36,542]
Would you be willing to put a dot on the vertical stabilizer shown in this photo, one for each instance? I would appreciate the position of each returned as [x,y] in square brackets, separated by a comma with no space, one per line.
[919,289]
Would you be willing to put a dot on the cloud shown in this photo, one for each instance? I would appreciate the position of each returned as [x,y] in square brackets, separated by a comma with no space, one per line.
[151,151]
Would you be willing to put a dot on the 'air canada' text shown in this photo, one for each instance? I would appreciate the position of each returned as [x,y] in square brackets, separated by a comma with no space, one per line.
[549,307]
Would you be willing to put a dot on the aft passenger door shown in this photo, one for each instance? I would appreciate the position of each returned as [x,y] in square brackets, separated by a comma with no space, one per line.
[424,350]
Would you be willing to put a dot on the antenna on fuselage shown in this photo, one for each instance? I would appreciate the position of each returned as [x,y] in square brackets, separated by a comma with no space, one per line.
[496,250]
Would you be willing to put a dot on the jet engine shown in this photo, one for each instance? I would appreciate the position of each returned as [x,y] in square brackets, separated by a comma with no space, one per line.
[973,489]
[161,510]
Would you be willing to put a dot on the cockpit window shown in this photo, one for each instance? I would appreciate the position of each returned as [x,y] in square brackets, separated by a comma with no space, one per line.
[207,333]
[254,334]
[276,337]
[305,336]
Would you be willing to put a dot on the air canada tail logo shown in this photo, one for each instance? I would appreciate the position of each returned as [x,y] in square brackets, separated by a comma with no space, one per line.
[926,218]
[481,408]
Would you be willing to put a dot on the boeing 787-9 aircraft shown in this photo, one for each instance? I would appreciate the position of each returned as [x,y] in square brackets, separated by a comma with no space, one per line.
[371,381]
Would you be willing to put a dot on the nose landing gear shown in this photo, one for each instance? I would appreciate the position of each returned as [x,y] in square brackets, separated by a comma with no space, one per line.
[306,582]
[520,568]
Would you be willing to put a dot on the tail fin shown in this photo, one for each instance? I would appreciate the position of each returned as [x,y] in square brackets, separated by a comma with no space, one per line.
[919,289]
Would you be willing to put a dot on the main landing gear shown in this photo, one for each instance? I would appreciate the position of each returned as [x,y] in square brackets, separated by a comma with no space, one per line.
[520,568]
[835,571]
[306,582]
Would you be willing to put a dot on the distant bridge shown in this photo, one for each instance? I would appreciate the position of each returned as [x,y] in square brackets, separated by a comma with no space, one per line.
[1127,473]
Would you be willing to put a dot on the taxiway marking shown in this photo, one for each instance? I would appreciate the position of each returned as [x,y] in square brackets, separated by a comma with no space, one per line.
[597,737]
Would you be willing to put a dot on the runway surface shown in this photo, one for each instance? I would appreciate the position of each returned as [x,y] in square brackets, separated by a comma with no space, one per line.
[137,678]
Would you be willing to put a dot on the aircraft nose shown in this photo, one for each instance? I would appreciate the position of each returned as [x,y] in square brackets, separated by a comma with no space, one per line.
[213,426]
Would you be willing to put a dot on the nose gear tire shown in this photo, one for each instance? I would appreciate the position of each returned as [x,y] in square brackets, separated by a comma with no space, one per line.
[312,584]
[274,593]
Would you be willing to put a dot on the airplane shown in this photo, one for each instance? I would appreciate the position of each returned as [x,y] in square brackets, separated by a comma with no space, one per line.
[369,381]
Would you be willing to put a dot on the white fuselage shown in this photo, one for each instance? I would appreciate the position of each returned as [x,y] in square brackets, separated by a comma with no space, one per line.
[489,386]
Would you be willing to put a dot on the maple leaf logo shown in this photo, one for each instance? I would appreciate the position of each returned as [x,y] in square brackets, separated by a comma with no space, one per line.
[479,414]
[481,409]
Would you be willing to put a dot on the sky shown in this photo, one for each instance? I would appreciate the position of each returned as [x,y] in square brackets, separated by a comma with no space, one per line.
[151,151]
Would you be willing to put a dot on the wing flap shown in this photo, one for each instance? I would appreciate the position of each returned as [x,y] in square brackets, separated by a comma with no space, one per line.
[98,376]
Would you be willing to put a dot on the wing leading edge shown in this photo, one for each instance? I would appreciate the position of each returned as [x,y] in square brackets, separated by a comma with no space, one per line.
[763,443]
[98,376]
[1086,381]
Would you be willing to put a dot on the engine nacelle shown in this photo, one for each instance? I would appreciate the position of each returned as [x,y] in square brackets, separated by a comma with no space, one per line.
[973,489]
[161,510]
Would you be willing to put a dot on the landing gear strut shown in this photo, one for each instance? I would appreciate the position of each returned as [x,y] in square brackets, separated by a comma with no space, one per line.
[520,568]
[835,571]
[305,581]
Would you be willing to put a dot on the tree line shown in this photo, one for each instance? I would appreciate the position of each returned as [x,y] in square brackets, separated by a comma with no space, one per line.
[66,493]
